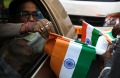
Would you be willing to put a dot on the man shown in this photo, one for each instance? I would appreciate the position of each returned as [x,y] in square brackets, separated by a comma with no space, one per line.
[111,57]
[24,46]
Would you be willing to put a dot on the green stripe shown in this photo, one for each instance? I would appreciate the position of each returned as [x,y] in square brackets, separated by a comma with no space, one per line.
[110,34]
[84,61]
[80,42]
[95,36]
[93,47]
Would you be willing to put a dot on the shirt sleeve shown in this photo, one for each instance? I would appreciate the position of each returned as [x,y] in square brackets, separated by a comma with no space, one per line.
[102,44]
[9,30]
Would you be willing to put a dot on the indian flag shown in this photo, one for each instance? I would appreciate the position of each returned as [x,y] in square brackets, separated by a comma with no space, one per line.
[108,35]
[69,58]
[90,34]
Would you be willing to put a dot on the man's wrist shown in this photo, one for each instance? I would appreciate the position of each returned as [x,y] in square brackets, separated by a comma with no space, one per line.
[25,28]
[22,29]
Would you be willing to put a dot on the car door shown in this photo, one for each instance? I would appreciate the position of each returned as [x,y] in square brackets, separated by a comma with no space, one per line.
[63,23]
[54,11]
[60,18]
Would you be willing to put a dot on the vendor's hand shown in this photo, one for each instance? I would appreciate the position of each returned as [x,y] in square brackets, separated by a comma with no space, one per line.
[108,53]
[43,26]
[116,30]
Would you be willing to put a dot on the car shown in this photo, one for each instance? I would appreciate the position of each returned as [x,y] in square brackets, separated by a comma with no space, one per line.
[92,11]
[55,12]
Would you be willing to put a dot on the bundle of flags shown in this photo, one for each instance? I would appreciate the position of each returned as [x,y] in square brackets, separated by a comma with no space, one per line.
[72,58]
[69,58]
[90,34]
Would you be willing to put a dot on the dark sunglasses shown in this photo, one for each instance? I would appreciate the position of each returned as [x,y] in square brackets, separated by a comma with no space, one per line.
[27,14]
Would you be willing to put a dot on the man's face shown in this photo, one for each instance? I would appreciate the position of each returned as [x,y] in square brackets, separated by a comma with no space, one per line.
[28,12]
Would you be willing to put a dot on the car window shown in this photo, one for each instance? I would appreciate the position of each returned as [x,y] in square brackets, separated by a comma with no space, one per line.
[4,18]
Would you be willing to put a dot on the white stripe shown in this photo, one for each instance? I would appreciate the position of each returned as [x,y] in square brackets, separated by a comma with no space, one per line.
[101,45]
[107,31]
[89,32]
[73,52]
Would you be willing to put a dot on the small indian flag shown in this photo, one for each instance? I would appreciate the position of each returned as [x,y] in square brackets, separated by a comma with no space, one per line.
[90,34]
[69,58]
[108,35]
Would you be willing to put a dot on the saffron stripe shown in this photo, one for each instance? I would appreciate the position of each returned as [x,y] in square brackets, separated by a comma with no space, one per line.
[58,55]
[84,27]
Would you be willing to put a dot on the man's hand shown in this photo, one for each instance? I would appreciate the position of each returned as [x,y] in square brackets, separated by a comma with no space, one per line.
[108,53]
[43,26]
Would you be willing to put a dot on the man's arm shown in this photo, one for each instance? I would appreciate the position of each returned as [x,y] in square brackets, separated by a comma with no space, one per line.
[9,30]
[43,26]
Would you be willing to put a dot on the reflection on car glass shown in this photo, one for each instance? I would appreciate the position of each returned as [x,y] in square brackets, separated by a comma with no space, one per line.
[40,16]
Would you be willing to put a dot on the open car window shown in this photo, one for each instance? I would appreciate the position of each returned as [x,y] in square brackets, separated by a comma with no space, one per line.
[4,18]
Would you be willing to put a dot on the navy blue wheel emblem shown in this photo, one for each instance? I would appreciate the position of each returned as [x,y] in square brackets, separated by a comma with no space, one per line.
[88,41]
[69,63]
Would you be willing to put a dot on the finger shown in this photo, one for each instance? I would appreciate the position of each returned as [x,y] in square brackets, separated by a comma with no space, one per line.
[42,34]
[41,30]
[48,27]
[44,21]
[44,28]
[36,27]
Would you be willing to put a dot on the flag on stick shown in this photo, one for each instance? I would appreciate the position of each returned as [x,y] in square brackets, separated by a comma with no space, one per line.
[90,34]
[69,58]
[108,35]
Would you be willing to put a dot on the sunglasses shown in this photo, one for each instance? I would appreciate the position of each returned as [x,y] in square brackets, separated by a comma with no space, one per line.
[26,14]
